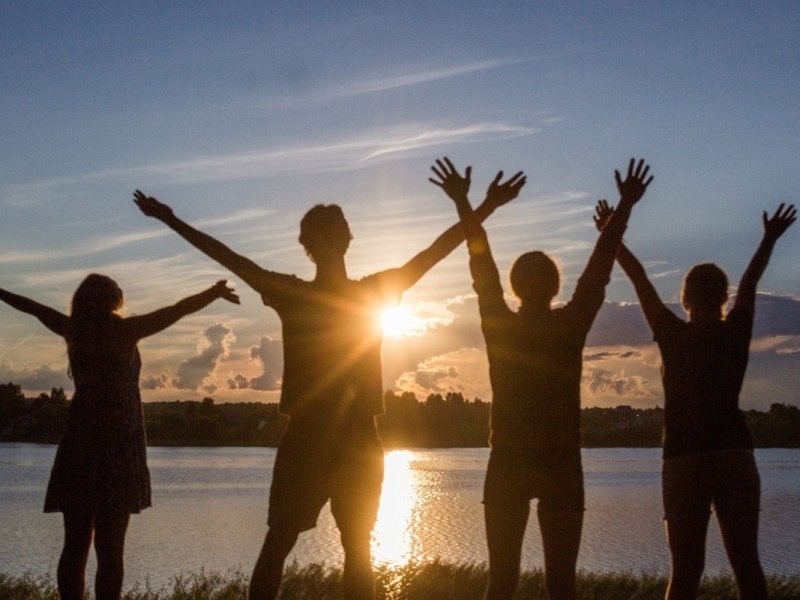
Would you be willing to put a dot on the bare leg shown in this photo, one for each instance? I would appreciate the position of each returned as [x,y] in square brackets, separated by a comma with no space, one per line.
[357,578]
[267,574]
[109,545]
[505,528]
[78,532]
[561,539]
[740,535]
[687,545]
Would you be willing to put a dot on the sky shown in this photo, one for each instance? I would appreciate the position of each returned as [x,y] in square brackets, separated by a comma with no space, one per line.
[242,116]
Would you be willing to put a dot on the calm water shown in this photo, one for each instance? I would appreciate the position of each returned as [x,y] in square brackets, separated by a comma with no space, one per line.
[210,508]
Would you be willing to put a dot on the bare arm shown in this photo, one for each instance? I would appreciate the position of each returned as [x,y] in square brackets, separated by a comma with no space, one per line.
[457,189]
[142,326]
[50,318]
[246,269]
[486,278]
[631,191]
[497,195]
[648,297]
[774,227]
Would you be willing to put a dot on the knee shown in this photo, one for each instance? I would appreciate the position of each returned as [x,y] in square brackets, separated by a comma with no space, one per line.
[356,542]
[109,550]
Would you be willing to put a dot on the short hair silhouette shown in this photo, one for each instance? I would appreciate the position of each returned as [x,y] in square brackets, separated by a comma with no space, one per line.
[535,275]
[704,286]
[323,229]
[332,376]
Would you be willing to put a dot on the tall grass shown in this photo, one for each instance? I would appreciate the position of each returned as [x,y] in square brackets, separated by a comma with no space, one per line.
[420,581]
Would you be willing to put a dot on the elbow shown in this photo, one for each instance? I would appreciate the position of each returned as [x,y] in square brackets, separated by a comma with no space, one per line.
[478,247]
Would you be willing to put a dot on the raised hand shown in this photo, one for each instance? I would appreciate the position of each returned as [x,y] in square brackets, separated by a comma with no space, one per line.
[636,182]
[152,207]
[602,213]
[779,222]
[453,184]
[222,290]
[502,193]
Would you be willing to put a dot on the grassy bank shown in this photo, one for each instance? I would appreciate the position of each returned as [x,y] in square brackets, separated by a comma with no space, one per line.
[427,581]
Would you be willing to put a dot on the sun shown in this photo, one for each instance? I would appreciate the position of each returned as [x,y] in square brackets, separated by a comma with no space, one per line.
[399,321]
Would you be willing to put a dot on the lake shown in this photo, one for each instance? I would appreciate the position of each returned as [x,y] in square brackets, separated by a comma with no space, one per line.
[210,508]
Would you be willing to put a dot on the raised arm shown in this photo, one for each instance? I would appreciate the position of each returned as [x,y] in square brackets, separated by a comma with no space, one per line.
[497,195]
[648,297]
[631,191]
[142,326]
[774,227]
[486,278]
[253,275]
[50,318]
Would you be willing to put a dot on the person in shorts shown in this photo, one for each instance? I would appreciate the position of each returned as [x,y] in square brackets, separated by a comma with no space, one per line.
[331,386]
[708,452]
[535,362]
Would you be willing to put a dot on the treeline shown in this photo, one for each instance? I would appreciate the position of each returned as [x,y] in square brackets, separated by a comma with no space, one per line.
[439,421]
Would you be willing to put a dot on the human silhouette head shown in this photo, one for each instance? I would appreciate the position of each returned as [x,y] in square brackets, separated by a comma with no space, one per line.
[705,289]
[324,231]
[535,278]
[96,296]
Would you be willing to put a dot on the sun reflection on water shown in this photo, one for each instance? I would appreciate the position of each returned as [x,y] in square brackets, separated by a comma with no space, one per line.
[393,534]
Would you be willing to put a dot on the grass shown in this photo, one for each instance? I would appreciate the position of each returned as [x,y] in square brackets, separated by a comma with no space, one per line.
[423,581]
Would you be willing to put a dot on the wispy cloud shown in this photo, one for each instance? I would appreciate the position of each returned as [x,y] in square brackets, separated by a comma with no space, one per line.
[366,83]
[437,137]
[103,243]
[415,78]
[321,156]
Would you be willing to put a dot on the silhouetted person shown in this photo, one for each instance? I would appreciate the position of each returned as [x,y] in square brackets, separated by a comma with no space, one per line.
[708,451]
[100,474]
[331,387]
[535,369]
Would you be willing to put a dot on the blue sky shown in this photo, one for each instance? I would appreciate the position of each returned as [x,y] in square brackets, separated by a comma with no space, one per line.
[242,116]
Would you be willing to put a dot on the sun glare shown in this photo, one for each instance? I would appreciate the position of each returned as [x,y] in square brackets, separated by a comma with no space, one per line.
[399,321]
[392,536]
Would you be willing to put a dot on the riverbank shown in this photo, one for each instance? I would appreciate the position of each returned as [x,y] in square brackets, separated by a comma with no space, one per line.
[448,421]
[427,581]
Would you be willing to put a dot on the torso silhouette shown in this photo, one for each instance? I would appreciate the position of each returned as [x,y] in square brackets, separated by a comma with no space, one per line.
[331,343]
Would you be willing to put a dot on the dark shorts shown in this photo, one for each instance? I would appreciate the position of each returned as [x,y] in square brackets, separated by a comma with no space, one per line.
[308,474]
[726,480]
[555,477]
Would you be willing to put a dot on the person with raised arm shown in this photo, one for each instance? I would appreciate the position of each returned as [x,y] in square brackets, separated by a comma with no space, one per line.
[331,387]
[535,369]
[100,477]
[708,451]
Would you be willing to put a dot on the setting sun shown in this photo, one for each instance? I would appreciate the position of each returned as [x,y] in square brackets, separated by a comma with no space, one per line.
[399,321]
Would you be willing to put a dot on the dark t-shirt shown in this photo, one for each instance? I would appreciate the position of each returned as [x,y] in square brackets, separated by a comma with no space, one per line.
[535,361]
[331,347]
[703,369]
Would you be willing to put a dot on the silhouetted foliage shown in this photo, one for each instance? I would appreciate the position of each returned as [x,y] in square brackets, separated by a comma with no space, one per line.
[41,419]
[413,581]
[440,421]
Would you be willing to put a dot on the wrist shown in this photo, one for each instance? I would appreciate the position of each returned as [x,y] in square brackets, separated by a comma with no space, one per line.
[489,204]
[625,201]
